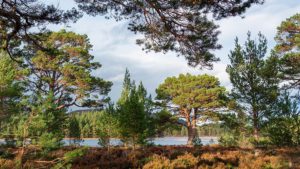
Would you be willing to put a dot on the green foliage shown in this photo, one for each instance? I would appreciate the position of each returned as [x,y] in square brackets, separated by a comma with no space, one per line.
[60,77]
[11,87]
[46,123]
[197,141]
[163,121]
[49,142]
[14,130]
[283,127]
[234,122]
[18,17]
[64,70]
[201,91]
[69,157]
[194,96]
[287,49]
[228,140]
[254,80]
[45,115]
[134,114]
[74,132]
[260,142]
[107,127]
[88,123]
[178,25]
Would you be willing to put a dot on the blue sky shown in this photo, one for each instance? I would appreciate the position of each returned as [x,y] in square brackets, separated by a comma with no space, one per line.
[115,48]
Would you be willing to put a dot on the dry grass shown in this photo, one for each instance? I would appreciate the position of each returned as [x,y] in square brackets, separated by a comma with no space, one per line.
[165,157]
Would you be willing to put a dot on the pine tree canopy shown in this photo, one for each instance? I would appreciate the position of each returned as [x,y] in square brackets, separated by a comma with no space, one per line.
[64,69]
[18,17]
[202,92]
[178,25]
[254,79]
[288,49]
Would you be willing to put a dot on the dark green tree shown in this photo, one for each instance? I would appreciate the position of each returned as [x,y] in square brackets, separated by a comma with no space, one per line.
[164,121]
[254,79]
[195,97]
[46,122]
[11,87]
[283,127]
[12,90]
[18,17]
[74,132]
[179,25]
[107,126]
[134,116]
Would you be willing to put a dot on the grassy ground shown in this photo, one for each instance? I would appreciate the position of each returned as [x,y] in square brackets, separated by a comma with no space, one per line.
[164,157]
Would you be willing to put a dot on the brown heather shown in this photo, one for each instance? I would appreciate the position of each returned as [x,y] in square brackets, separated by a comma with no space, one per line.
[166,157]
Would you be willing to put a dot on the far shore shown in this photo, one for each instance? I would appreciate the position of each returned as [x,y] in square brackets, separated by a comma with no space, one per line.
[203,137]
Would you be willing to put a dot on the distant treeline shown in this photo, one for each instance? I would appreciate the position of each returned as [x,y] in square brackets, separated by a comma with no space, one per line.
[88,121]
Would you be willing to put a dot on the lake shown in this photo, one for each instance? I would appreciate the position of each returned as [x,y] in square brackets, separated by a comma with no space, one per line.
[157,141]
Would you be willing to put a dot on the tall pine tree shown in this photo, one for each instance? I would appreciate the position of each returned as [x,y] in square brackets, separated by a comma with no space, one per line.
[134,116]
[254,79]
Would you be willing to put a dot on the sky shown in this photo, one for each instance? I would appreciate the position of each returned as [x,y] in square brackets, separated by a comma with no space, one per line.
[115,48]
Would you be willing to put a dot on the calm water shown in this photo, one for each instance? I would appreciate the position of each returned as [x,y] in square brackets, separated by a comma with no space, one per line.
[156,141]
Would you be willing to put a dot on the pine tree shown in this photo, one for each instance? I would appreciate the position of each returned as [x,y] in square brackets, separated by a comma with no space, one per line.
[12,90]
[181,26]
[126,87]
[46,123]
[133,114]
[287,50]
[60,78]
[107,126]
[64,70]
[74,132]
[194,97]
[18,17]
[254,79]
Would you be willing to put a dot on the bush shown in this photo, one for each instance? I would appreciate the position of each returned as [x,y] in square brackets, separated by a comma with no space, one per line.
[228,140]
[197,141]
[69,157]
[283,132]
[185,161]
[49,142]
[103,140]
[157,162]
[260,142]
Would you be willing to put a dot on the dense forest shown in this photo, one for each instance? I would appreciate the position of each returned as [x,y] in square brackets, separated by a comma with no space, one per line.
[43,73]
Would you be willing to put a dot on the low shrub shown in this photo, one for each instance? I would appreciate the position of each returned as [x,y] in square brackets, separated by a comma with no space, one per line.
[197,142]
[49,142]
[69,157]
[185,161]
[260,142]
[228,140]
[7,164]
[158,162]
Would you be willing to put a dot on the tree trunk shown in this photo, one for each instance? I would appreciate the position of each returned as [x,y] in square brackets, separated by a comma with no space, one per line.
[255,125]
[192,131]
[192,134]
